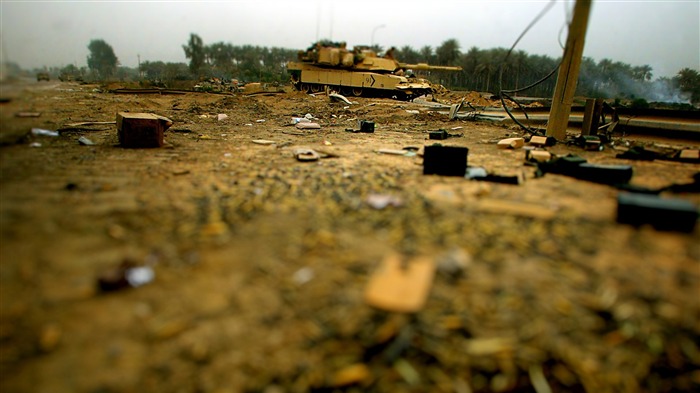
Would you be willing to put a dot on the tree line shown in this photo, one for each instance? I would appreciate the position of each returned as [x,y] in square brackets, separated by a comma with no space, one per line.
[486,70]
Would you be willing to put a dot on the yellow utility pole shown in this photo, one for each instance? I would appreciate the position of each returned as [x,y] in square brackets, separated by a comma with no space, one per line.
[568,71]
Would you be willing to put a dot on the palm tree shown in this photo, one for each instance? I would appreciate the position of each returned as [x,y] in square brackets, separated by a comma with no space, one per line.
[448,52]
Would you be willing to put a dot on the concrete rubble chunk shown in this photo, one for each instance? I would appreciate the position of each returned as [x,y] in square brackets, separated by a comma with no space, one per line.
[511,143]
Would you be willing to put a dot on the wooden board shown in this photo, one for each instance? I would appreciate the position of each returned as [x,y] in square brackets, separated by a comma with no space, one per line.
[399,287]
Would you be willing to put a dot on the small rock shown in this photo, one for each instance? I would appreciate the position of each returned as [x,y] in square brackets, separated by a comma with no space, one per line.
[357,373]
[303,275]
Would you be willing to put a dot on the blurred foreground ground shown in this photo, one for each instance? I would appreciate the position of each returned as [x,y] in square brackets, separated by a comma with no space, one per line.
[261,261]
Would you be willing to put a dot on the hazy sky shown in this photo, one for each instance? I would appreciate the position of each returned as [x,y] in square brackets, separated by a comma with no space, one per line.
[663,34]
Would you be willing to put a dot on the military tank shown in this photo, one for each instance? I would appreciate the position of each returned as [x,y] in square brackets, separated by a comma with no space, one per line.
[359,72]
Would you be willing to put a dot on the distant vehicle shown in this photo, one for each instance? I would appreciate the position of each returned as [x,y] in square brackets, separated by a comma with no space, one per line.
[360,72]
[42,76]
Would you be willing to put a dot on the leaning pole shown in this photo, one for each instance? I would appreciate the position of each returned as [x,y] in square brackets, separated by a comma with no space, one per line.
[568,72]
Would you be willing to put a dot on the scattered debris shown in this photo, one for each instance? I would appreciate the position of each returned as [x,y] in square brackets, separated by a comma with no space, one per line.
[141,130]
[85,141]
[296,120]
[445,160]
[147,91]
[511,143]
[538,156]
[542,141]
[43,132]
[363,126]
[27,114]
[308,126]
[454,109]
[590,142]
[381,201]
[688,155]
[87,125]
[670,214]
[221,117]
[442,134]
[263,142]
[578,167]
[478,173]
[126,275]
[338,97]
[306,155]
[400,284]
[395,152]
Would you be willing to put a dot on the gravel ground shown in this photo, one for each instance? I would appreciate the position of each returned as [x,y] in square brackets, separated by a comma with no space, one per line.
[261,261]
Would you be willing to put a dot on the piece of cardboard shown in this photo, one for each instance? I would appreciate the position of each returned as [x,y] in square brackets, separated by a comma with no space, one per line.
[400,287]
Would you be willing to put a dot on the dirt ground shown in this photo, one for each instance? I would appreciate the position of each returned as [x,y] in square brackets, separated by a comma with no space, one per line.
[261,261]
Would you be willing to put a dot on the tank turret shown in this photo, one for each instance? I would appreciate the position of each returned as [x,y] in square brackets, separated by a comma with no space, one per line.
[359,72]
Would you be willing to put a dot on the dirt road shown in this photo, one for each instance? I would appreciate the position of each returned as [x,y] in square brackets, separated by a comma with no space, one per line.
[261,261]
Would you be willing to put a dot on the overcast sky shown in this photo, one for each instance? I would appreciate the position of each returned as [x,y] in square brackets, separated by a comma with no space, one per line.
[663,34]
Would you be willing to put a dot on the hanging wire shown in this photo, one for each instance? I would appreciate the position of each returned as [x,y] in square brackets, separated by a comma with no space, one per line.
[503,94]
[568,15]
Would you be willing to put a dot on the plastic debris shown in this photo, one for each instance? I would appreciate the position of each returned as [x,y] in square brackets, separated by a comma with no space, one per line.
[339,97]
[126,275]
[296,120]
[35,144]
[85,141]
[221,116]
[43,132]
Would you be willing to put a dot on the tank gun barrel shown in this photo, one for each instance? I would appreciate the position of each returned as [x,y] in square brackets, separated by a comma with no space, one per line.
[426,67]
